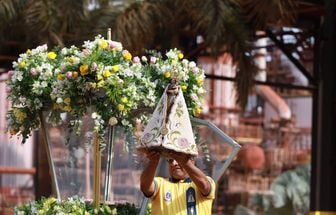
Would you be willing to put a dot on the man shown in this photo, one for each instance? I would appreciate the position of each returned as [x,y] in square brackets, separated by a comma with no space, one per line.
[188,191]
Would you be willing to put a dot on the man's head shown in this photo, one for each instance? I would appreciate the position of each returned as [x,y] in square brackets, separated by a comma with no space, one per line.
[176,171]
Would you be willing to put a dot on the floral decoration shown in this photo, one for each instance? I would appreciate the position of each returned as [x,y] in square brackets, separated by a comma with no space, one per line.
[163,69]
[30,87]
[101,77]
[72,205]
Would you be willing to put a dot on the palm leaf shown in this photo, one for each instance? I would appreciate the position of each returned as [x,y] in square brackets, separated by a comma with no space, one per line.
[226,31]
[50,21]
[258,12]
[9,9]
[135,27]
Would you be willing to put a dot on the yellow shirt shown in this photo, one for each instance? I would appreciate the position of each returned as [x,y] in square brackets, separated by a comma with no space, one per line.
[170,198]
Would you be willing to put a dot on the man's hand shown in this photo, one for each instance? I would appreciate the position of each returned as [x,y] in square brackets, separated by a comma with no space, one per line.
[153,157]
[147,177]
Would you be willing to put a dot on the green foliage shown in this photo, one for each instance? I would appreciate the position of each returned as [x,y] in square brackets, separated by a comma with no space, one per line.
[72,205]
[290,193]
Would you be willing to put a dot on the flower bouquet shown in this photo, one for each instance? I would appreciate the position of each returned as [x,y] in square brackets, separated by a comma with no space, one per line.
[173,66]
[30,86]
[102,77]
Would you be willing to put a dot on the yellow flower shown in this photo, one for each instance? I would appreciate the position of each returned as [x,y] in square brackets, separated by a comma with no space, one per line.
[22,64]
[184,87]
[101,83]
[12,132]
[127,55]
[75,74]
[180,55]
[60,77]
[99,77]
[167,74]
[22,116]
[84,69]
[198,111]
[121,107]
[114,211]
[200,80]
[55,106]
[67,100]
[28,52]
[124,100]
[115,68]
[52,55]
[71,59]
[93,85]
[50,200]
[103,44]
[67,108]
[106,73]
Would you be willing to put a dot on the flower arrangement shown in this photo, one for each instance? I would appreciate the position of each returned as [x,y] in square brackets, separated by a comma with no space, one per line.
[101,76]
[72,205]
[30,87]
[173,65]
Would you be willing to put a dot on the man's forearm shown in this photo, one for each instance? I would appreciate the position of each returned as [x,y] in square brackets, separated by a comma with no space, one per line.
[198,177]
[147,178]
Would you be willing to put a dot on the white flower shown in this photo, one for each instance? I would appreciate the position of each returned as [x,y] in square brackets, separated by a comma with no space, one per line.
[127,72]
[113,121]
[172,54]
[17,76]
[22,100]
[125,122]
[194,96]
[59,100]
[94,115]
[185,62]
[192,64]
[144,59]
[64,51]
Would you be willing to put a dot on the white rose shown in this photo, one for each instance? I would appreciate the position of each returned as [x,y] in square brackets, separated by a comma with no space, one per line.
[113,121]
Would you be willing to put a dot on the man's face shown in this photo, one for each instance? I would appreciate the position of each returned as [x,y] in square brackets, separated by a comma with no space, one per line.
[176,171]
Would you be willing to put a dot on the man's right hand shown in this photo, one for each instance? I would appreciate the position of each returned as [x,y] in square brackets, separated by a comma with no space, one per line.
[153,157]
[147,185]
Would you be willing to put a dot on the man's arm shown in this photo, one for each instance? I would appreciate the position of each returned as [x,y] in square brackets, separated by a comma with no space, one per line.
[196,175]
[147,176]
